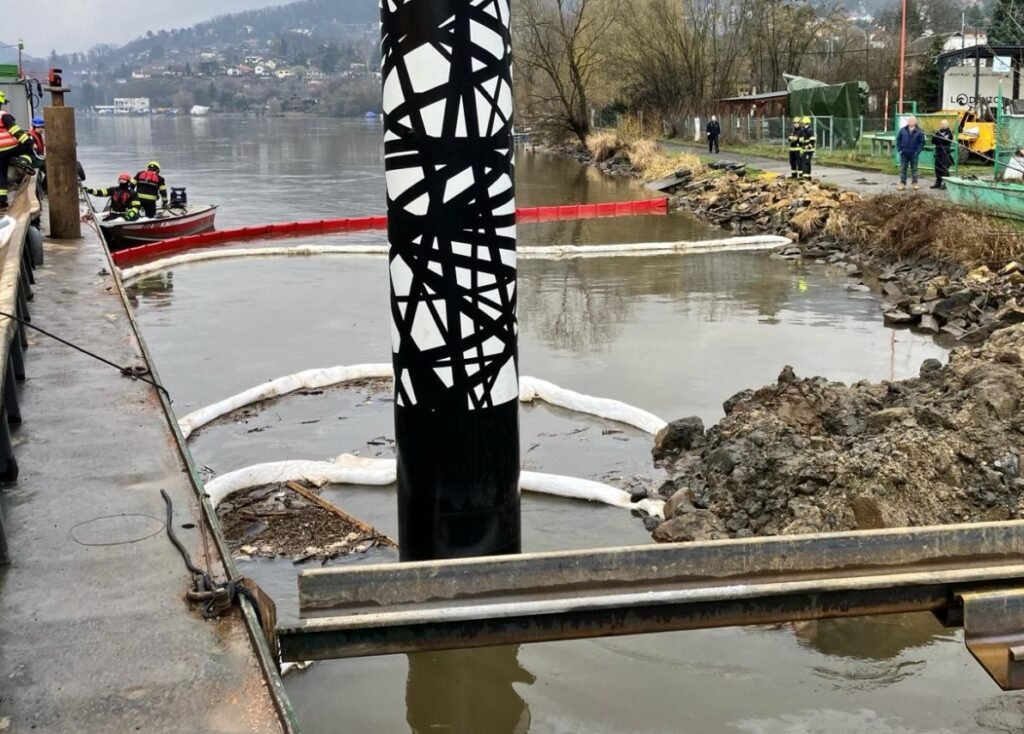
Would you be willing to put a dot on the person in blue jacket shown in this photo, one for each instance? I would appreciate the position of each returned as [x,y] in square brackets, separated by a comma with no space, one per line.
[909,144]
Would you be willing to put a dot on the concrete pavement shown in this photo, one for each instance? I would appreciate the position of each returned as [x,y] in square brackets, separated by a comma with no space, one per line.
[95,633]
[864,182]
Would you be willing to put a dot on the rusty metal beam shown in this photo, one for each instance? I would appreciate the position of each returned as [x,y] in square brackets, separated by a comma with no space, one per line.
[437,605]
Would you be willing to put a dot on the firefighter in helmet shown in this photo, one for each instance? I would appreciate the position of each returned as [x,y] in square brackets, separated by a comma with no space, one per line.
[124,200]
[15,147]
[796,149]
[807,139]
[150,186]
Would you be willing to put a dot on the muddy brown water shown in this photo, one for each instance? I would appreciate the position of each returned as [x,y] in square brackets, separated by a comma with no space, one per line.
[673,335]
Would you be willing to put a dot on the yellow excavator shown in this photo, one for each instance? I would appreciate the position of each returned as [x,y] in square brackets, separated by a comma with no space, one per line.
[976,136]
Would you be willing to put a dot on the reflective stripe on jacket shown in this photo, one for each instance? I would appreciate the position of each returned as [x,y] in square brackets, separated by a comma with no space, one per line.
[807,138]
[121,199]
[796,140]
[11,136]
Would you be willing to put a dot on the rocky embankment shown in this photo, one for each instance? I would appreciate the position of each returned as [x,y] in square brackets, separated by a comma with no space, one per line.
[932,261]
[808,455]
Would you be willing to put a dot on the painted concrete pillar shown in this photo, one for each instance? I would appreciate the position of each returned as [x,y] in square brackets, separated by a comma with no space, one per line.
[448,156]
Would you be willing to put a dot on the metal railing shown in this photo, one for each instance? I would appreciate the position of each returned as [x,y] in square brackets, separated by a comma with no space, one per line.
[968,575]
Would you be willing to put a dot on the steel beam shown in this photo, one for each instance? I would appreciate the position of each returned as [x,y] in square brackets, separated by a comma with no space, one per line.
[438,605]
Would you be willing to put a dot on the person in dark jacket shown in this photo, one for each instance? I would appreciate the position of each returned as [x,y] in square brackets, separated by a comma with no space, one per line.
[150,186]
[909,144]
[714,131]
[943,142]
[796,149]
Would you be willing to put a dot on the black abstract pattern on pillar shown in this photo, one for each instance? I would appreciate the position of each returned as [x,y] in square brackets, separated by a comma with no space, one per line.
[451,202]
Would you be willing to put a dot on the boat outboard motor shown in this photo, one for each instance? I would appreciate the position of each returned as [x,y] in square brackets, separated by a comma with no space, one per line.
[179,199]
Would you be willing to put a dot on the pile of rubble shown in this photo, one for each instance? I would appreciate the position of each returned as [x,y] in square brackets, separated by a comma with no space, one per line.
[809,455]
[801,211]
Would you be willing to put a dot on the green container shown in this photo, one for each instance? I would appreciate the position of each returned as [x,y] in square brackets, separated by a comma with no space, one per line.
[9,71]
[991,197]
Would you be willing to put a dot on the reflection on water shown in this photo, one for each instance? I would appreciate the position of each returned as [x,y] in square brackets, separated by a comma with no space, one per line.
[467,691]
[673,335]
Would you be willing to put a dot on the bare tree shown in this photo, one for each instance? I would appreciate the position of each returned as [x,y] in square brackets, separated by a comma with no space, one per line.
[784,35]
[676,58]
[558,51]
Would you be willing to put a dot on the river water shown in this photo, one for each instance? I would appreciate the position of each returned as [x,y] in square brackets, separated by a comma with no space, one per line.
[675,335]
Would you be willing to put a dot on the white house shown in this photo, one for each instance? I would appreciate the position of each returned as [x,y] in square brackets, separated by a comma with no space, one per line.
[284,74]
[259,70]
[970,39]
[131,105]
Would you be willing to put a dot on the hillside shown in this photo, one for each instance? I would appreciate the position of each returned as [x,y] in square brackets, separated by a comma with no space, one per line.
[319,20]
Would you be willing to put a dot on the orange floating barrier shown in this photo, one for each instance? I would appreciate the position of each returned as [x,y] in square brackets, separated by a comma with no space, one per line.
[353,224]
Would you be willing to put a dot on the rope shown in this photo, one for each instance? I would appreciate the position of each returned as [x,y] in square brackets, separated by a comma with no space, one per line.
[136,372]
[217,598]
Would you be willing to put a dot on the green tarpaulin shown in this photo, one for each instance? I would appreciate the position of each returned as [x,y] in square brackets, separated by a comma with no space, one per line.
[841,102]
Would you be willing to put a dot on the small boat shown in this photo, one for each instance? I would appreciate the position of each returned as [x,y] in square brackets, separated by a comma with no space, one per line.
[997,198]
[167,224]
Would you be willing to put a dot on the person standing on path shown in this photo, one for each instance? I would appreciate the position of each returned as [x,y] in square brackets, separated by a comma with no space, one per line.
[943,142]
[909,144]
[796,150]
[807,144]
[714,131]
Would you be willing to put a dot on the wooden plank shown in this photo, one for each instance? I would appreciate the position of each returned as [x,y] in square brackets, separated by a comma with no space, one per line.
[338,512]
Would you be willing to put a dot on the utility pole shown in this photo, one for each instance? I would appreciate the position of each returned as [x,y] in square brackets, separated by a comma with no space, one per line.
[977,74]
[903,55]
[448,159]
[61,162]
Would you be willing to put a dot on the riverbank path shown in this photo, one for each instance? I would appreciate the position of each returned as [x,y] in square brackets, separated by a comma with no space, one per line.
[95,633]
[861,181]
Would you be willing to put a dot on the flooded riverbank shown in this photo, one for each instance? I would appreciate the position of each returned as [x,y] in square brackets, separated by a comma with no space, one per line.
[673,335]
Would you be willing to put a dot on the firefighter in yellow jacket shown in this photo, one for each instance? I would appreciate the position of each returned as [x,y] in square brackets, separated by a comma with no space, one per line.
[14,143]
[807,141]
[796,149]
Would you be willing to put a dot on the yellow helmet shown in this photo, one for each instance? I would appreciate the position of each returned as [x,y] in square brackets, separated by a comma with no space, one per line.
[3,98]
[806,120]
[155,165]
[796,120]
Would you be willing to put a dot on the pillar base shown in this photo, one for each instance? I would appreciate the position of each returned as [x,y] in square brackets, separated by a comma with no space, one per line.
[458,483]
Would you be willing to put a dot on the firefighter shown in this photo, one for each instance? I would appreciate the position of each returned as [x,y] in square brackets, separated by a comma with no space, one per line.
[807,142]
[38,136]
[796,150]
[15,144]
[150,185]
[124,200]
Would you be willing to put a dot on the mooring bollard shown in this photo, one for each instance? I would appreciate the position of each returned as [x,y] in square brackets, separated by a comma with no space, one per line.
[62,167]
[448,159]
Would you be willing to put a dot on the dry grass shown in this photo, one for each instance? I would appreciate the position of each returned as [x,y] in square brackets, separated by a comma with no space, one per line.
[646,156]
[904,227]
[603,145]
[807,221]
[653,163]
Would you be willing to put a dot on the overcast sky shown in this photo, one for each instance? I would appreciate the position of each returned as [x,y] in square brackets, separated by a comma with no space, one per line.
[78,25]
